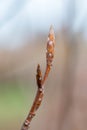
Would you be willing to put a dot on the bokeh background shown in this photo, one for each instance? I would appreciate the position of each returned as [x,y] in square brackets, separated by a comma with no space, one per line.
[24,27]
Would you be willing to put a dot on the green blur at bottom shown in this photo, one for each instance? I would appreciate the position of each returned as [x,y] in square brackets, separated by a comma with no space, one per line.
[15,102]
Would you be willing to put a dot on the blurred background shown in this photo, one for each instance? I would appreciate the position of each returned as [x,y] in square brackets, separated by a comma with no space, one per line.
[24,27]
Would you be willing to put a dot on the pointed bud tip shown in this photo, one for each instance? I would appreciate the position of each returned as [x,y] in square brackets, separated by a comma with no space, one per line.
[38,66]
[51,30]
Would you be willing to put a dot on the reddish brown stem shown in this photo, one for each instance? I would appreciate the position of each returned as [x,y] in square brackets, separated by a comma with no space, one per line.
[40,81]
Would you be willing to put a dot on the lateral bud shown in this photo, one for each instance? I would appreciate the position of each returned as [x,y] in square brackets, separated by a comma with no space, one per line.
[39,76]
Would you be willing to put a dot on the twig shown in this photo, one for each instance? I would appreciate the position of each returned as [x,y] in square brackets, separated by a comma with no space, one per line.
[40,81]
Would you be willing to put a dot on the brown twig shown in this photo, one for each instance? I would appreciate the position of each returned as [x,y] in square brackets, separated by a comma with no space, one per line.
[40,81]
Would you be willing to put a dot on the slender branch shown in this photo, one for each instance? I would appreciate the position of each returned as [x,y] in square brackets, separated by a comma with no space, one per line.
[40,81]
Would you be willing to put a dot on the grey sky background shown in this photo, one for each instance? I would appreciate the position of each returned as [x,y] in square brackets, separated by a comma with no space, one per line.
[19,18]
